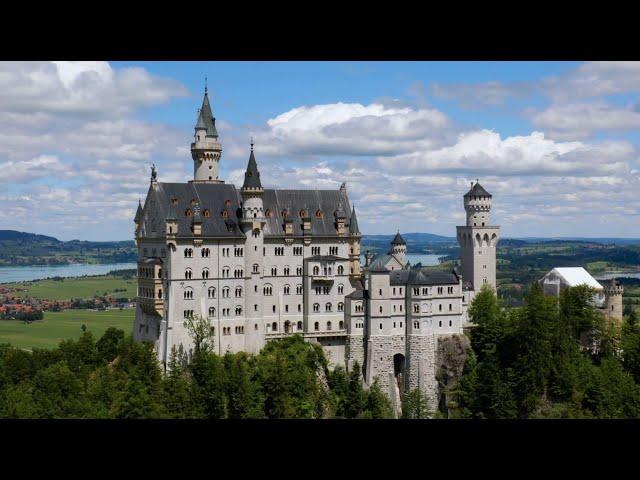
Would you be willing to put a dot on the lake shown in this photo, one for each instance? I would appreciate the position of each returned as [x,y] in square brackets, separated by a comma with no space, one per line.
[609,276]
[37,272]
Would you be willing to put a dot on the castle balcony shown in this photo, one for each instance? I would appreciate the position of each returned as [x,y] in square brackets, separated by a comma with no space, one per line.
[322,278]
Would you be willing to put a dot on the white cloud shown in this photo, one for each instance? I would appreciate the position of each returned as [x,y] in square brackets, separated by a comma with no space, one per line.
[579,121]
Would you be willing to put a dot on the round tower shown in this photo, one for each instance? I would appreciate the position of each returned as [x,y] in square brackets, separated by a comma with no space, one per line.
[252,223]
[613,299]
[205,149]
[477,204]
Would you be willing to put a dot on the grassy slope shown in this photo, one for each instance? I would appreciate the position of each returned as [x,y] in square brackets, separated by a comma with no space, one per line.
[80,287]
[58,326]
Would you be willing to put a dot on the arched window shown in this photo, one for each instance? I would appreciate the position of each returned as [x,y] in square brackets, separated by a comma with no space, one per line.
[205,273]
[187,273]
[299,326]
[267,290]
[287,289]
[316,326]
[316,270]
[286,270]
[318,213]
[341,288]
[316,307]
[238,310]
[212,292]
[341,325]
[238,292]
[212,311]
[225,292]
[274,327]
[160,293]
[340,270]
[256,268]
[328,325]
[327,307]
[341,307]
[188,294]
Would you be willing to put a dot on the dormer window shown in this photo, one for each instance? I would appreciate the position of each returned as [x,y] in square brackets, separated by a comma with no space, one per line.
[303,213]
[206,213]
[174,201]
[267,213]
[319,214]
[188,212]
[225,214]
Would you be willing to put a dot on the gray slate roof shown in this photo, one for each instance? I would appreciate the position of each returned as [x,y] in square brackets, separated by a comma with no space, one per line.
[353,223]
[477,190]
[213,196]
[138,213]
[417,276]
[293,201]
[398,240]
[252,175]
[205,118]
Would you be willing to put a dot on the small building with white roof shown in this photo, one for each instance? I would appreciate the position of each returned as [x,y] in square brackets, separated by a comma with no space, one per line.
[559,278]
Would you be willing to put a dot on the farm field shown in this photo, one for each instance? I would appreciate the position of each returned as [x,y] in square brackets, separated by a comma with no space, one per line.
[57,326]
[77,287]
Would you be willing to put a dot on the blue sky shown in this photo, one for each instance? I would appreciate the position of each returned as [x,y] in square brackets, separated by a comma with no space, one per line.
[555,142]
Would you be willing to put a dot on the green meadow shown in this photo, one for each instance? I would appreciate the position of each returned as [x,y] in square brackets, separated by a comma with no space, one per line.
[57,326]
[78,287]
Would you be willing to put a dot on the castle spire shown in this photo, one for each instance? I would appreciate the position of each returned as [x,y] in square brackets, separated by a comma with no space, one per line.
[252,175]
[205,149]
[353,222]
[138,212]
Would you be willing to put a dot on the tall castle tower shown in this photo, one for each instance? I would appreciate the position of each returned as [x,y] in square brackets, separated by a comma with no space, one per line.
[478,240]
[613,300]
[205,149]
[399,248]
[252,223]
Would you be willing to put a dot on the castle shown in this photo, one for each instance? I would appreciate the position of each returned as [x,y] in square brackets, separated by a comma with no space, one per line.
[262,264]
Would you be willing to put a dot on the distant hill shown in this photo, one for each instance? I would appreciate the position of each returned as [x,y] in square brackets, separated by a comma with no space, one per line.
[22,248]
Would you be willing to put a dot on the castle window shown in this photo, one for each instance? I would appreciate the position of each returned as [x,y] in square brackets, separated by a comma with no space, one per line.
[298,271]
[160,293]
[450,323]
[380,329]
[450,307]
[212,311]
[188,294]
[212,292]
[187,274]
[316,270]
[267,290]
[416,308]
[188,252]
[298,289]
[287,289]
[341,307]
[340,270]
[440,323]
[299,308]
[238,292]
[206,212]
[416,324]
[440,307]
[238,310]
[267,213]
[286,308]
[316,326]
[299,326]
[274,327]
[225,292]
[225,272]
[274,271]
[327,307]
[205,273]
[328,325]
[341,325]
[256,268]
[340,288]
[187,212]
[286,271]
[318,213]
[224,214]
[316,307]
[303,213]
[380,308]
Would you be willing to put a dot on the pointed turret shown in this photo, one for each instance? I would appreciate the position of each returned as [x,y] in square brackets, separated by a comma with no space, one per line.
[205,150]
[252,175]
[353,223]
[398,240]
[138,213]
[206,120]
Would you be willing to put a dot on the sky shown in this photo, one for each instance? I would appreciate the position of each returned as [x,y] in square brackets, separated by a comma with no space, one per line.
[556,143]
